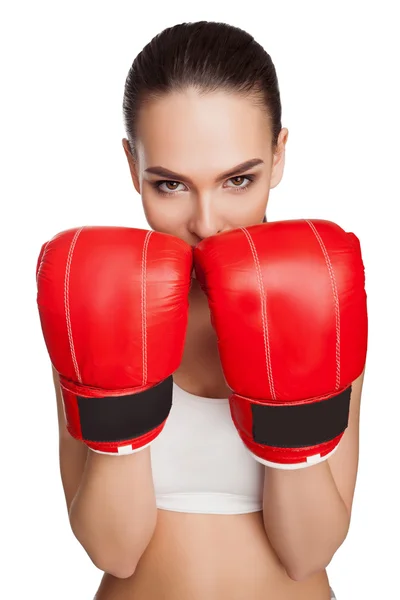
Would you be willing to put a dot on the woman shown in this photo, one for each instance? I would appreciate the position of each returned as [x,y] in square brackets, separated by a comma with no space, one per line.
[194,515]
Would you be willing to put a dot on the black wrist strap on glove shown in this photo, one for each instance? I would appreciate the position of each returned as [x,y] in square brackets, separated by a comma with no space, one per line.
[285,426]
[119,418]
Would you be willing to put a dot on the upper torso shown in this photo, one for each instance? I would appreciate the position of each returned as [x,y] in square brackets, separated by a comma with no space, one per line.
[209,556]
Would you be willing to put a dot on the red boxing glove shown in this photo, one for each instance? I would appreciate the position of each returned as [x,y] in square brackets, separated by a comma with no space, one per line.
[288,305]
[113,305]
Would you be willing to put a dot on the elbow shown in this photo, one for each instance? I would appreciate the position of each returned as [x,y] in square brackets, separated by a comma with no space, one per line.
[117,562]
[303,571]
[299,574]
[117,567]
[305,567]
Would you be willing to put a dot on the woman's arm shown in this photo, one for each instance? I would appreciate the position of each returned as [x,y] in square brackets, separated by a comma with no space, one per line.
[307,511]
[110,500]
[72,453]
[113,514]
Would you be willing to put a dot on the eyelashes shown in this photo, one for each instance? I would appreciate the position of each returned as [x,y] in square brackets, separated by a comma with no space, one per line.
[157,184]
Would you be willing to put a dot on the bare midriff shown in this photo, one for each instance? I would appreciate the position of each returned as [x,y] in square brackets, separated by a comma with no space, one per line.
[211,557]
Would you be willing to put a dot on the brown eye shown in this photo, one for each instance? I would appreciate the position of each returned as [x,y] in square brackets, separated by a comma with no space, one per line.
[173,185]
[170,187]
[241,182]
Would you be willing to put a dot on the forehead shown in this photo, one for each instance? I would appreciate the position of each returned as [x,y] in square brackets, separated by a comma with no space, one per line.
[184,126]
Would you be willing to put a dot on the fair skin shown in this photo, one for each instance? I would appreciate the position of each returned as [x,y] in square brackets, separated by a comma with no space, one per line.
[282,551]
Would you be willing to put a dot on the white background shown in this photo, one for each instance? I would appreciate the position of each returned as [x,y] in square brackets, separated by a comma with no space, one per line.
[62,165]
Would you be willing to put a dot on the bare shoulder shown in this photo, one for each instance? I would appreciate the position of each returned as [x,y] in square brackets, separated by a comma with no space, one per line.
[344,462]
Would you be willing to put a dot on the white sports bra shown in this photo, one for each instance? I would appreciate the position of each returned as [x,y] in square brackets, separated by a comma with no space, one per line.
[200,464]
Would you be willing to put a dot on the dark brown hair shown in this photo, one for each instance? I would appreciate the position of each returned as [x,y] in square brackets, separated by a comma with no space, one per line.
[208,56]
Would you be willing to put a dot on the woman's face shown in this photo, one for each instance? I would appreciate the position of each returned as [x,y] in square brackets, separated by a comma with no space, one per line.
[190,169]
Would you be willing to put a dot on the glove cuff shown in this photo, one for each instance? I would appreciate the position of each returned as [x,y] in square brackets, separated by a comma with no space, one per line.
[121,423]
[307,461]
[293,435]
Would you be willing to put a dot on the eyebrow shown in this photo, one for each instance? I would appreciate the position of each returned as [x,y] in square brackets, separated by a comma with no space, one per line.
[163,172]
